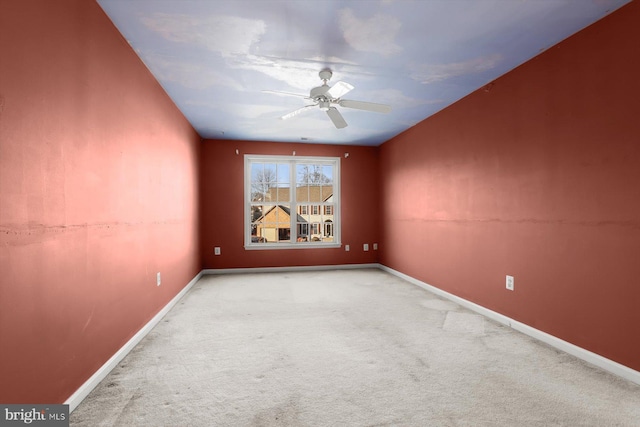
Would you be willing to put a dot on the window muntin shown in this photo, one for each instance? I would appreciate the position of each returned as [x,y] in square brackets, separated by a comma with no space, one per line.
[270,200]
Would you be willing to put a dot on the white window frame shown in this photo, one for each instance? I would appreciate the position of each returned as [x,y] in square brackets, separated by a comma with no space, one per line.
[293,205]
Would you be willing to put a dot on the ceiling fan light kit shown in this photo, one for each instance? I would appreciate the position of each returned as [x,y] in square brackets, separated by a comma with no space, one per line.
[328,97]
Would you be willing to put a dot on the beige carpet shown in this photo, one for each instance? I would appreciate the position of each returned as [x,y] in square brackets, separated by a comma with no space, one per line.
[346,348]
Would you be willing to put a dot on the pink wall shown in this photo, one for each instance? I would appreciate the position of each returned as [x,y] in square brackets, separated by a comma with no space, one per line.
[536,177]
[222,189]
[98,192]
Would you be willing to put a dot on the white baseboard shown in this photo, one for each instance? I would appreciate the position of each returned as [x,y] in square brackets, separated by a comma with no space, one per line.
[287,269]
[74,400]
[579,352]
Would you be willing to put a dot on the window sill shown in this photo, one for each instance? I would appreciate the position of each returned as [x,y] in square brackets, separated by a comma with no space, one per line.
[276,246]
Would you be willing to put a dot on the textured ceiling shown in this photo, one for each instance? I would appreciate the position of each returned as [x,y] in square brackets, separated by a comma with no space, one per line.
[216,58]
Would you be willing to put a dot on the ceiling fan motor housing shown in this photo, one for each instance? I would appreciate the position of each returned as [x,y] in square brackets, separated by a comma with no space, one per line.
[319,92]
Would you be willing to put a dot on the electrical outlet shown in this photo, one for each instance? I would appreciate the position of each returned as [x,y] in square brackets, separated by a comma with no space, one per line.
[510,283]
[158,279]
[346,248]
[365,247]
[216,250]
[375,246]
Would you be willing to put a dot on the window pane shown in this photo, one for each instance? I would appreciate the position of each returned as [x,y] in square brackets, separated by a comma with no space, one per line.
[327,193]
[257,192]
[284,233]
[328,231]
[314,233]
[304,218]
[270,172]
[256,229]
[263,181]
[273,224]
[315,193]
[302,193]
[257,223]
[256,212]
[283,224]
[327,171]
[283,174]
[313,174]
[302,173]
[256,170]
[303,232]
[282,194]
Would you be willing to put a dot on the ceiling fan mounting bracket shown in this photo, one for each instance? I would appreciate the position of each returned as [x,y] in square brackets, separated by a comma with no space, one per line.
[325,75]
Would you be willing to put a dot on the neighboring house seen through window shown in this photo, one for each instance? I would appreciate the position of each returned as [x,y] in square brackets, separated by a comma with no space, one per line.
[291,201]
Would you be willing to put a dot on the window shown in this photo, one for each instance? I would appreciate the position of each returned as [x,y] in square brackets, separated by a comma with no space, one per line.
[291,202]
[303,233]
[328,228]
[315,229]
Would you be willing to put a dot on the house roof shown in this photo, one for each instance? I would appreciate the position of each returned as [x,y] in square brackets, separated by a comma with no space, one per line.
[286,210]
[311,193]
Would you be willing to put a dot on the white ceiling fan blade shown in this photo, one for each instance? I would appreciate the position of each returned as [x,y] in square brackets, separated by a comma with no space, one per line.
[277,92]
[339,89]
[367,106]
[336,118]
[296,112]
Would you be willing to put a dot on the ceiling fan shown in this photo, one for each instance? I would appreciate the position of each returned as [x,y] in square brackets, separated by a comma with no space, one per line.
[327,97]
